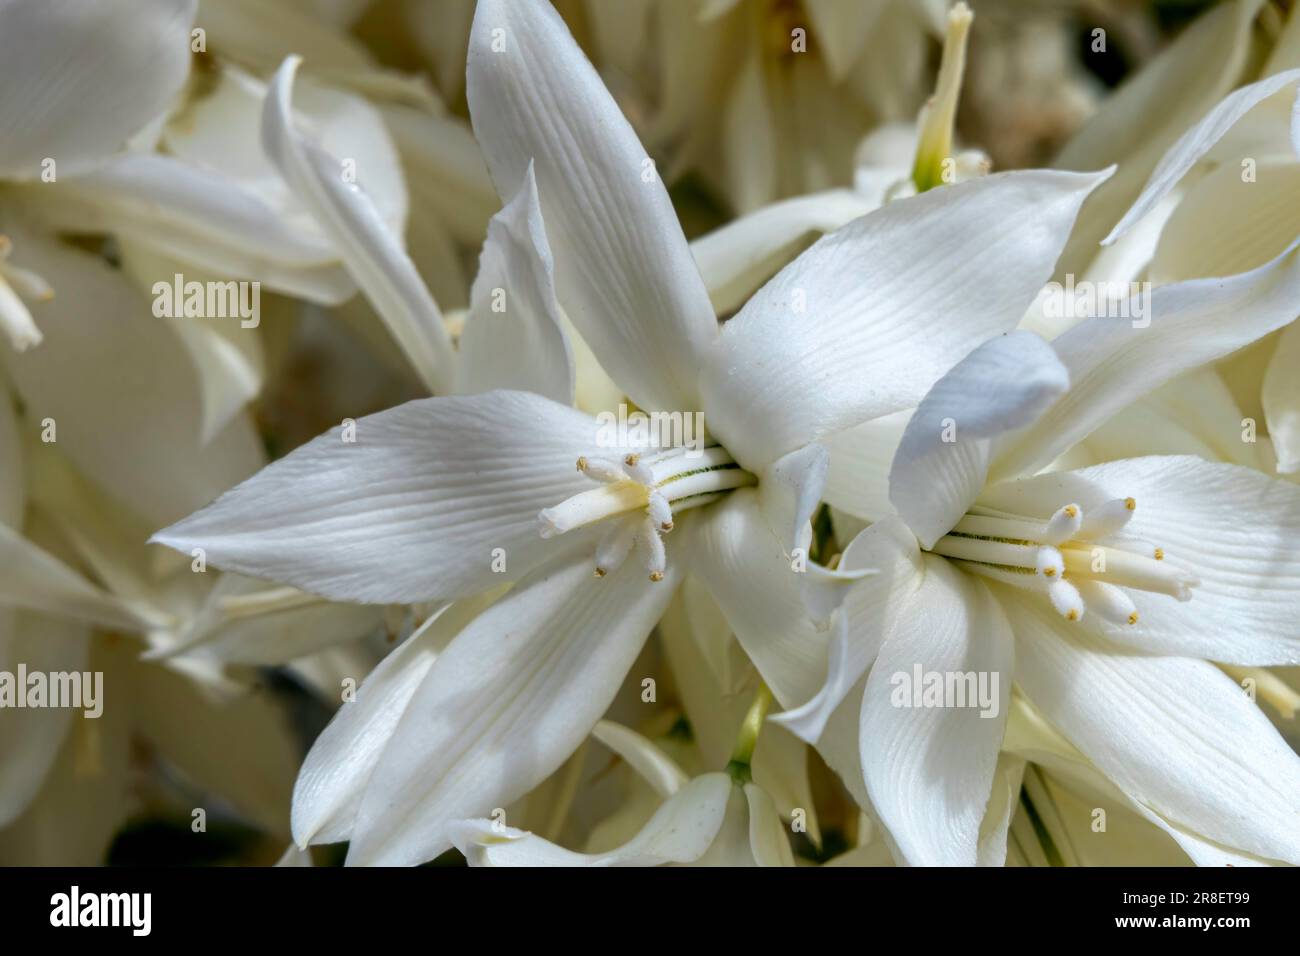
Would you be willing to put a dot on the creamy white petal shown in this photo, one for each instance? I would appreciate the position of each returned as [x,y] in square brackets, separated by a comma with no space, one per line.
[514,336]
[870,612]
[1177,735]
[507,702]
[736,258]
[91,378]
[413,510]
[861,456]
[929,769]
[1281,396]
[942,460]
[82,78]
[1113,361]
[870,316]
[746,570]
[680,831]
[768,840]
[339,765]
[1197,141]
[371,249]
[622,267]
[654,766]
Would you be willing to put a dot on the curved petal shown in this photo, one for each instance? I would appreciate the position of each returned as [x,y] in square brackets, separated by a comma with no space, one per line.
[81,78]
[415,507]
[340,763]
[767,835]
[514,335]
[681,831]
[929,764]
[1114,361]
[370,249]
[654,766]
[622,267]
[1281,397]
[871,315]
[942,461]
[737,258]
[1176,734]
[1197,141]
[508,701]
[858,478]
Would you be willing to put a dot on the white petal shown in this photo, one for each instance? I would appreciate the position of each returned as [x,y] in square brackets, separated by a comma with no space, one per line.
[413,510]
[790,491]
[81,79]
[507,702]
[16,321]
[747,572]
[869,614]
[1113,361]
[32,578]
[622,267]
[87,377]
[32,736]
[1175,734]
[654,766]
[514,335]
[861,456]
[371,250]
[768,840]
[680,831]
[929,770]
[857,315]
[943,458]
[336,771]
[737,258]
[1281,395]
[1197,141]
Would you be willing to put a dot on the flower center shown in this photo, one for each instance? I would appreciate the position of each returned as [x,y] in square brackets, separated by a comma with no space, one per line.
[638,495]
[1082,562]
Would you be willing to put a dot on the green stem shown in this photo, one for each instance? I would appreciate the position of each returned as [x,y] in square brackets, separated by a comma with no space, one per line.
[747,739]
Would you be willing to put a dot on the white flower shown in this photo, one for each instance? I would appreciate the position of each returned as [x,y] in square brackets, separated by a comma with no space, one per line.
[1069,580]
[439,500]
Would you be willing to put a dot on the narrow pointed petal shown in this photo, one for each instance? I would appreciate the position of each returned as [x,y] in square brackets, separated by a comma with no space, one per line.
[929,769]
[680,831]
[1114,361]
[514,335]
[370,249]
[623,270]
[507,702]
[654,766]
[416,508]
[871,315]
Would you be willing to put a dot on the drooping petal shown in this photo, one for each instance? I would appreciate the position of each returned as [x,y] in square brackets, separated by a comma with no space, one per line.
[1197,141]
[1114,361]
[514,335]
[1175,734]
[76,87]
[942,460]
[506,703]
[623,271]
[370,248]
[870,316]
[869,614]
[654,766]
[929,769]
[680,831]
[422,505]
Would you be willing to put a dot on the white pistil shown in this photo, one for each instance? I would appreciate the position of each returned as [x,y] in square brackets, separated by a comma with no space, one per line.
[1065,557]
[641,490]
